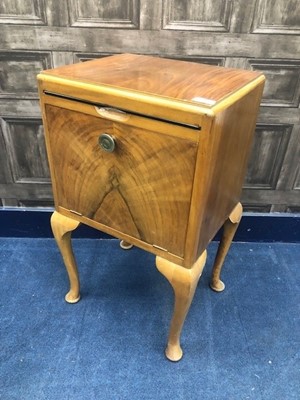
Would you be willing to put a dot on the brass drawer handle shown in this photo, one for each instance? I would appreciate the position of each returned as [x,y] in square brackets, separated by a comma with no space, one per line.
[107,142]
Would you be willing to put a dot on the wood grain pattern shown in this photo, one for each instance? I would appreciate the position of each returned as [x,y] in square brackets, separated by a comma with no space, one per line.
[168,78]
[198,208]
[138,189]
[62,228]
[140,121]
[38,26]
[221,167]
[229,228]
[184,282]
[128,175]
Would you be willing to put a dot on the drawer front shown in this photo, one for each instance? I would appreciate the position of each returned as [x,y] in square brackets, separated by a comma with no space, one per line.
[142,188]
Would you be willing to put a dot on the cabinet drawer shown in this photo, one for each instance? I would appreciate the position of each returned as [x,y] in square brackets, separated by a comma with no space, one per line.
[142,188]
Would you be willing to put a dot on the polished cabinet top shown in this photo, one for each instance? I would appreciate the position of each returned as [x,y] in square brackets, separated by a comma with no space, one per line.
[179,80]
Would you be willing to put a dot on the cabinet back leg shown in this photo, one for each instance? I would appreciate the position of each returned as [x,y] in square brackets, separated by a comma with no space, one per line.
[125,245]
[62,228]
[184,282]
[229,229]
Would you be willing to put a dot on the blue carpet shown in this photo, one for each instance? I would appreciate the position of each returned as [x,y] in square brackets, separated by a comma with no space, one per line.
[241,344]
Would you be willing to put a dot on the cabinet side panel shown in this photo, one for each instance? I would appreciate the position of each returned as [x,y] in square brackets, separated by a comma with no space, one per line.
[224,161]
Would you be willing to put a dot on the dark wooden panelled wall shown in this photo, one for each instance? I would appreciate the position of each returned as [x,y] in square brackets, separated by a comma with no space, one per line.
[260,35]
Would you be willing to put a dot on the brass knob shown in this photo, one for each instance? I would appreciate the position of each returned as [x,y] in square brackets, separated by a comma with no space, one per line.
[107,142]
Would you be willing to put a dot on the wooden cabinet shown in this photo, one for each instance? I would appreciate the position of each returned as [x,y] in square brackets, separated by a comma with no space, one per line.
[137,189]
[154,152]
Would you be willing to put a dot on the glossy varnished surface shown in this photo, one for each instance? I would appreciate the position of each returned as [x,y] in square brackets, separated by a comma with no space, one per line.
[221,169]
[166,187]
[192,82]
[143,188]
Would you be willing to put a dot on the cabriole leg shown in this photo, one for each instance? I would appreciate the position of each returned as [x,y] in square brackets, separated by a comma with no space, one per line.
[62,228]
[184,282]
[229,229]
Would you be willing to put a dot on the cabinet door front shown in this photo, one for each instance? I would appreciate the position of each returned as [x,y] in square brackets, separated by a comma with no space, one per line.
[141,187]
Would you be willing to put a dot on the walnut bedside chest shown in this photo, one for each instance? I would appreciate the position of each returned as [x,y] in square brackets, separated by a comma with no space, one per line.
[154,152]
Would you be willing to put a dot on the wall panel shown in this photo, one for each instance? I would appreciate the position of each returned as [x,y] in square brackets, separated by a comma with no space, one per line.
[261,35]
[20,12]
[282,86]
[205,15]
[104,14]
[267,156]
[280,16]
[25,147]
[18,70]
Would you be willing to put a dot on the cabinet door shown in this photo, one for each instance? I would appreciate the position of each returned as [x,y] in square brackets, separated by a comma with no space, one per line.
[143,188]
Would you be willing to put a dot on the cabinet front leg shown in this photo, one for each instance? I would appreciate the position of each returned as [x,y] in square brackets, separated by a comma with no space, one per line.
[184,282]
[229,229]
[62,228]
